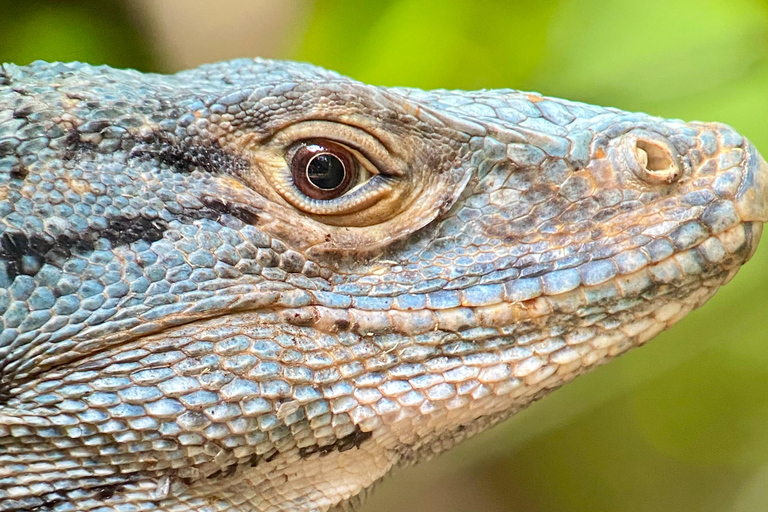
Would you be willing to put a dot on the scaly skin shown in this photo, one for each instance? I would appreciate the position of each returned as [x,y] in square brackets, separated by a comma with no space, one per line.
[183,329]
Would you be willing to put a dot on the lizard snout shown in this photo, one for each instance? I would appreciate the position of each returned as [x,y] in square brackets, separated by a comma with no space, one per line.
[752,198]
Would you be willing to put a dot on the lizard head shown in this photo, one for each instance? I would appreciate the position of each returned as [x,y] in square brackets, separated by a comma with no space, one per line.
[237,274]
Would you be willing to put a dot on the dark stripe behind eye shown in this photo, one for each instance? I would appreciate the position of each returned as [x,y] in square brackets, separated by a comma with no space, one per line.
[26,254]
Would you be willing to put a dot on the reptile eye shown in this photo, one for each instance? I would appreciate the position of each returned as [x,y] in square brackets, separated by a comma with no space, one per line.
[323,170]
[335,173]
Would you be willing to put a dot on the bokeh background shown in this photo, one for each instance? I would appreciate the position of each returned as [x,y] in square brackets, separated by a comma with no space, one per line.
[679,425]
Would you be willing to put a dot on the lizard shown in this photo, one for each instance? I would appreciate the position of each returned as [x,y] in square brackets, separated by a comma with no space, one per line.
[262,286]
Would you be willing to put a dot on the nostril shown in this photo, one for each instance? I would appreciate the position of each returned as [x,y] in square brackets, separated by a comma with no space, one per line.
[657,165]
[653,157]
[649,158]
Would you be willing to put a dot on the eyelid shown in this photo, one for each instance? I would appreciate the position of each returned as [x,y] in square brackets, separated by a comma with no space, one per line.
[371,153]
[352,201]
[367,168]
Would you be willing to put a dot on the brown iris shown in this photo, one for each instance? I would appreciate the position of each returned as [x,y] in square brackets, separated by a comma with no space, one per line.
[323,169]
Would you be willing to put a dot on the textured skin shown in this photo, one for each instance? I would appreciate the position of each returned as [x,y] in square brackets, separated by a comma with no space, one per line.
[183,330]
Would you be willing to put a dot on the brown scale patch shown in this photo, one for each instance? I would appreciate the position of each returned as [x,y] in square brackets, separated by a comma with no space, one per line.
[19,172]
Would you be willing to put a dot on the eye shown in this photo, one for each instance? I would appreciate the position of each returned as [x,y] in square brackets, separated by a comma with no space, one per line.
[335,173]
[323,169]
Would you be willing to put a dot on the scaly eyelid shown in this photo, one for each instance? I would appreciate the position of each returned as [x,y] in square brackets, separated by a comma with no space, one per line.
[366,168]
[369,150]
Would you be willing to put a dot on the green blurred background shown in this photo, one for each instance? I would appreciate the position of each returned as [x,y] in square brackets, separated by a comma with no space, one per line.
[679,425]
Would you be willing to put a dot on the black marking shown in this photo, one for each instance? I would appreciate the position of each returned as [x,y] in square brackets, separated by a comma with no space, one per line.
[25,254]
[353,440]
[51,501]
[5,397]
[107,491]
[19,172]
[229,470]
[74,145]
[23,111]
[341,324]
[185,158]
[8,147]
[272,456]
[215,208]
[306,451]
[124,231]
[223,472]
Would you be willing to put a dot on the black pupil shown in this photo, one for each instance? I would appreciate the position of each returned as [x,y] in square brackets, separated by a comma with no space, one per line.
[325,171]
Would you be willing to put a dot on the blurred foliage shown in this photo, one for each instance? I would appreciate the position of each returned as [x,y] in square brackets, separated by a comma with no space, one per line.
[679,425]
[102,32]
